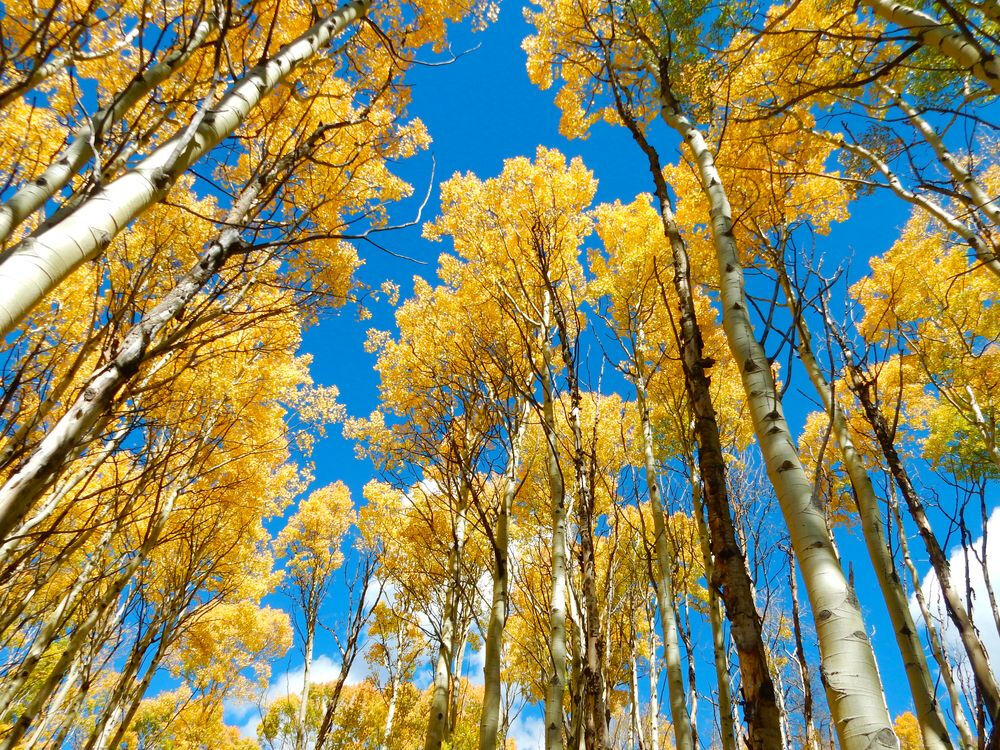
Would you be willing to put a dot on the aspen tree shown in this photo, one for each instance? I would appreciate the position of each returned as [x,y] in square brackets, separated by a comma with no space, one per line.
[311,541]
[34,267]
[492,222]
[914,660]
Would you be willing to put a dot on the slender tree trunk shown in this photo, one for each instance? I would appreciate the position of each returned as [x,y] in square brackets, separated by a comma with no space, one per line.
[32,269]
[391,713]
[664,571]
[635,727]
[139,690]
[557,600]
[982,249]
[929,716]
[440,709]
[727,730]
[69,434]
[692,672]
[489,723]
[937,647]
[52,625]
[975,650]
[731,579]
[854,688]
[48,685]
[455,693]
[595,714]
[300,719]
[654,699]
[800,656]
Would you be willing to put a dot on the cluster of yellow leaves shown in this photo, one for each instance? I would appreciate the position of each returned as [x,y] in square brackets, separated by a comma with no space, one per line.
[925,293]
[221,646]
[181,721]
[311,541]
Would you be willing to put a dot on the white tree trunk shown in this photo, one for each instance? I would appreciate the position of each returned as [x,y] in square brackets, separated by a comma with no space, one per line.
[440,711]
[489,723]
[853,686]
[664,573]
[391,713]
[936,35]
[300,721]
[983,251]
[35,267]
[937,647]
[66,437]
[654,699]
[932,724]
[557,600]
[47,686]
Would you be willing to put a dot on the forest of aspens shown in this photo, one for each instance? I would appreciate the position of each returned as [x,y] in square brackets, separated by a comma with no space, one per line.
[449,375]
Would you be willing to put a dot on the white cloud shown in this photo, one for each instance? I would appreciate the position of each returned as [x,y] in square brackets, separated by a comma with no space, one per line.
[981,613]
[528,732]
[246,715]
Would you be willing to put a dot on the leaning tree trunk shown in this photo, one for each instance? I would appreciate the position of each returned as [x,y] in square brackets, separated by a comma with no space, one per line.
[69,434]
[942,38]
[958,613]
[933,637]
[76,641]
[33,268]
[853,685]
[928,710]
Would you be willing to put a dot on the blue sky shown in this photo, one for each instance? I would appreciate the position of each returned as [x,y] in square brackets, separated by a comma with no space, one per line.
[481,110]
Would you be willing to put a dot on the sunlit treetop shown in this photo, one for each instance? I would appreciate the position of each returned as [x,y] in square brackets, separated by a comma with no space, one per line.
[520,234]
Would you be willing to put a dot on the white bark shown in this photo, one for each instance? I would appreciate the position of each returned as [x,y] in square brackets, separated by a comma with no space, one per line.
[854,689]
[937,647]
[391,713]
[928,711]
[300,720]
[67,435]
[82,631]
[35,267]
[654,700]
[936,35]
[557,600]
[32,196]
[634,730]
[437,720]
[50,628]
[664,572]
